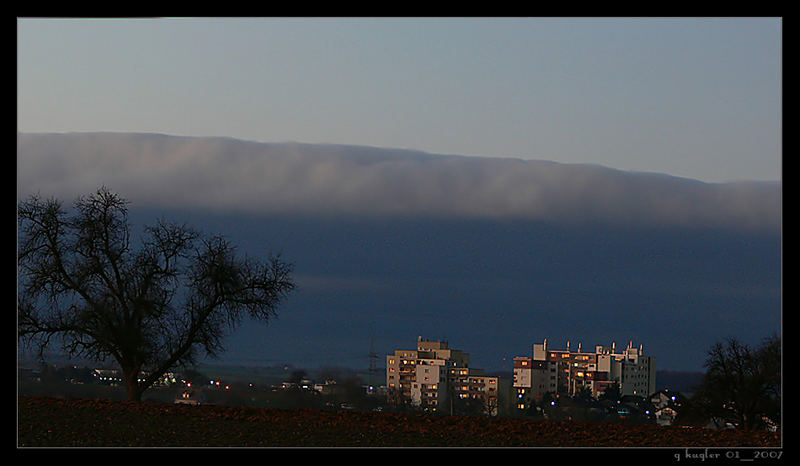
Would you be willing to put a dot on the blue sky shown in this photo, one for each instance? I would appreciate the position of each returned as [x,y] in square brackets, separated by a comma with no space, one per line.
[692,97]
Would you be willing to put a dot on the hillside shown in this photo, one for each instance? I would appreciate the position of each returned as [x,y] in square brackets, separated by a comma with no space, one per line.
[49,422]
[679,381]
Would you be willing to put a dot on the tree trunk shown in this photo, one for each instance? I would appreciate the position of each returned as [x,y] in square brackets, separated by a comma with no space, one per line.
[132,384]
[134,394]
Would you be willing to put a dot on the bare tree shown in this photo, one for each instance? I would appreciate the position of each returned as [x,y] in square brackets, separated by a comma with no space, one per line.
[742,384]
[151,309]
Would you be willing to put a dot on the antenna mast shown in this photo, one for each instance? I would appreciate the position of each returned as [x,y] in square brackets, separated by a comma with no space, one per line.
[373,357]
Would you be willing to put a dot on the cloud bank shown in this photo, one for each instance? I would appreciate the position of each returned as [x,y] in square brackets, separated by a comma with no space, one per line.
[262,178]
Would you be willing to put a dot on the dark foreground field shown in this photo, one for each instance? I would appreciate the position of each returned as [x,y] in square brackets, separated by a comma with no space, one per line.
[49,422]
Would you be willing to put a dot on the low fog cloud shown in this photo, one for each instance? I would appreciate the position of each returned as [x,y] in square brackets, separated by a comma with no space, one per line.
[233,175]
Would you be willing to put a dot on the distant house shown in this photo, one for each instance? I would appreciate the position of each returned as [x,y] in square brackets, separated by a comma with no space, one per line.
[666,403]
[665,415]
[663,398]
[304,384]
[191,397]
[325,388]
[769,424]
[107,377]
[719,423]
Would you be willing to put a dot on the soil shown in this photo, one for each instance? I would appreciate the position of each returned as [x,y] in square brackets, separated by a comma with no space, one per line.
[53,422]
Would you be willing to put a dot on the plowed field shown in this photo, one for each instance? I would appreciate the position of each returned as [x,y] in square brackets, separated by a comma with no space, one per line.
[49,422]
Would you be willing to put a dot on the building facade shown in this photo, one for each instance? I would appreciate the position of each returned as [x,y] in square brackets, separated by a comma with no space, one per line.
[568,372]
[434,376]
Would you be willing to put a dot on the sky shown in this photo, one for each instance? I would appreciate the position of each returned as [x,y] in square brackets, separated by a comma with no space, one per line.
[491,181]
[690,97]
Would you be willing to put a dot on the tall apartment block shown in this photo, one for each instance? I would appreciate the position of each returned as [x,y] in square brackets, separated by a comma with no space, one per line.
[567,372]
[433,373]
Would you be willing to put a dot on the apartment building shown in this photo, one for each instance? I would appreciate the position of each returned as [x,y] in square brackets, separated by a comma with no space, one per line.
[434,375]
[568,372]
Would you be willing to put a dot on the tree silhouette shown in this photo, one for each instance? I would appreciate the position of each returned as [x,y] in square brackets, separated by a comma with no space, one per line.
[150,309]
[742,385]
